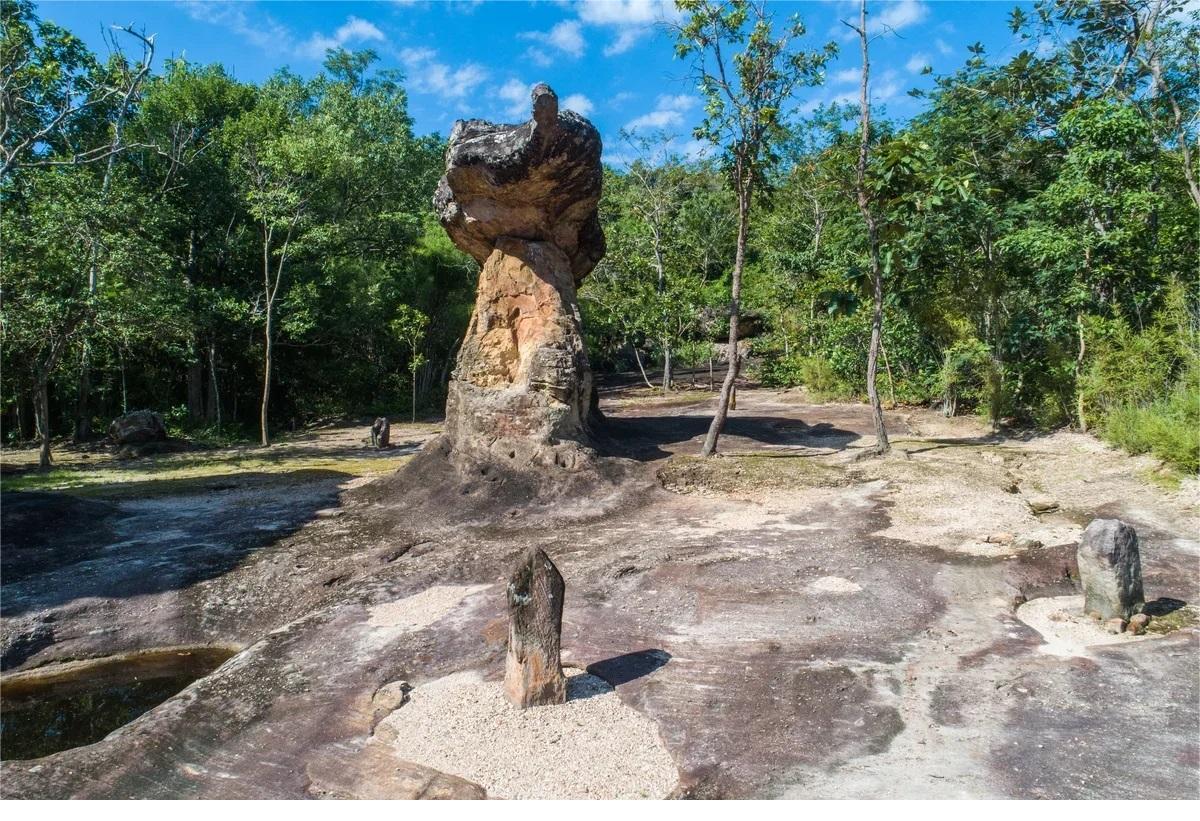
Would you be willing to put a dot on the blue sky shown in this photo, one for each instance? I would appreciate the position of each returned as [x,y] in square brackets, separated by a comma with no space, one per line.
[611,60]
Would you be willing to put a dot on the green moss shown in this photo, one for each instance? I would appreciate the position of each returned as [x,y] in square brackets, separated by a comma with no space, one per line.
[1186,616]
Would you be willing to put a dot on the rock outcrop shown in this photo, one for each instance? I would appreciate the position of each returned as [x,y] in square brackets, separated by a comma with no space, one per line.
[138,427]
[521,199]
[1110,569]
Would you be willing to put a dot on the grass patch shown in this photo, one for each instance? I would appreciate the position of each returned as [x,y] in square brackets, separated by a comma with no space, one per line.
[116,478]
[740,474]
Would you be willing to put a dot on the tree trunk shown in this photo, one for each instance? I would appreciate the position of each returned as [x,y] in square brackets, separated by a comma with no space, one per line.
[1079,373]
[414,396]
[212,412]
[195,390]
[83,413]
[638,358]
[882,445]
[41,410]
[666,380]
[735,297]
[887,366]
[266,391]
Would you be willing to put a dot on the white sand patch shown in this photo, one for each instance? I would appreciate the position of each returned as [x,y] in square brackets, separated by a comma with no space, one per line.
[418,611]
[834,584]
[1065,628]
[591,747]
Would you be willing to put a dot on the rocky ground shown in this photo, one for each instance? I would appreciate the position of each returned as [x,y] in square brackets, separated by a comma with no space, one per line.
[788,620]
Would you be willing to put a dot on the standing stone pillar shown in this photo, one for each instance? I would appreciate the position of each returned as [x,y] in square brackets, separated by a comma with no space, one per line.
[1110,569]
[533,669]
[522,200]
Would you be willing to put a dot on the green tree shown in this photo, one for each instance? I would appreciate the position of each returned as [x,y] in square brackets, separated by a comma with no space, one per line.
[745,93]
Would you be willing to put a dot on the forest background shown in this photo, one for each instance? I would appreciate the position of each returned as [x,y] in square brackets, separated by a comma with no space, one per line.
[250,258]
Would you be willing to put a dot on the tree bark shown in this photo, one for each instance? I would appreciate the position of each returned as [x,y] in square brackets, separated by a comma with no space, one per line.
[882,445]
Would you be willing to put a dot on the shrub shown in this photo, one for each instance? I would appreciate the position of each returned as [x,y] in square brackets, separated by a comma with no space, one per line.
[969,377]
[1168,427]
[813,372]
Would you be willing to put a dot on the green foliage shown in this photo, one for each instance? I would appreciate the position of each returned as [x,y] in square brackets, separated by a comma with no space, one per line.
[1168,426]
[812,372]
[970,378]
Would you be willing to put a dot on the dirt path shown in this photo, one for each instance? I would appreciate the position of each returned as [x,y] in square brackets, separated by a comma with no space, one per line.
[795,621]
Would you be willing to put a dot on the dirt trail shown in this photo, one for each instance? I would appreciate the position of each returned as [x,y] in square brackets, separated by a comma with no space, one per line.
[794,621]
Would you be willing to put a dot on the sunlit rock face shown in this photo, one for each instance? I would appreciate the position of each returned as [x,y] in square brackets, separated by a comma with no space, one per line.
[522,200]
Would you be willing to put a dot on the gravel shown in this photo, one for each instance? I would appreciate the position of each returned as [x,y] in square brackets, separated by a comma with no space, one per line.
[1065,628]
[591,747]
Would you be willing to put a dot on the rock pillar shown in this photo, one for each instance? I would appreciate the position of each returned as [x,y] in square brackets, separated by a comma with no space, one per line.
[533,670]
[521,199]
[1110,569]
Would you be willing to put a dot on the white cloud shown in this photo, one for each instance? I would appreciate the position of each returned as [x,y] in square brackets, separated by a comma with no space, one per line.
[579,104]
[266,33]
[516,94]
[630,20]
[916,64]
[943,46]
[355,29]
[847,75]
[899,15]
[668,113]
[426,74]
[566,37]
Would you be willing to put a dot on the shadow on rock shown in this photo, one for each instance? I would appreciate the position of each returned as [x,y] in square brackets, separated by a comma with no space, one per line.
[626,667]
[643,437]
[59,549]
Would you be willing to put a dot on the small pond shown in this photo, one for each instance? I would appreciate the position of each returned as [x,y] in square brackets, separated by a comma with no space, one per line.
[61,706]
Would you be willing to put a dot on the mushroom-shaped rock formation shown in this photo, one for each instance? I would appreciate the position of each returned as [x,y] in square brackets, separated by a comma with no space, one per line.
[521,199]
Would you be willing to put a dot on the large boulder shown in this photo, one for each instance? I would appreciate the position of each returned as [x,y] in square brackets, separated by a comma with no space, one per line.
[137,427]
[1110,569]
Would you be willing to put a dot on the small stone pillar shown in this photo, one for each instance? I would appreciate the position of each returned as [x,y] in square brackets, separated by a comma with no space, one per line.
[533,670]
[1110,569]
[381,433]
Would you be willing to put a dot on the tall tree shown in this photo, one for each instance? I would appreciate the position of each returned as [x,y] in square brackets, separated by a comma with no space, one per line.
[747,75]
[865,207]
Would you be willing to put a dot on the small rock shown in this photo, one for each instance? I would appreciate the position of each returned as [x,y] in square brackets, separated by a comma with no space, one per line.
[1137,624]
[1094,616]
[1115,625]
[1040,506]
[1011,486]
[993,458]
[998,538]
[1025,543]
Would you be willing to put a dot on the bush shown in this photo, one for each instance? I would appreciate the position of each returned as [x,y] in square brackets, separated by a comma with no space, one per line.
[813,372]
[969,377]
[1168,427]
